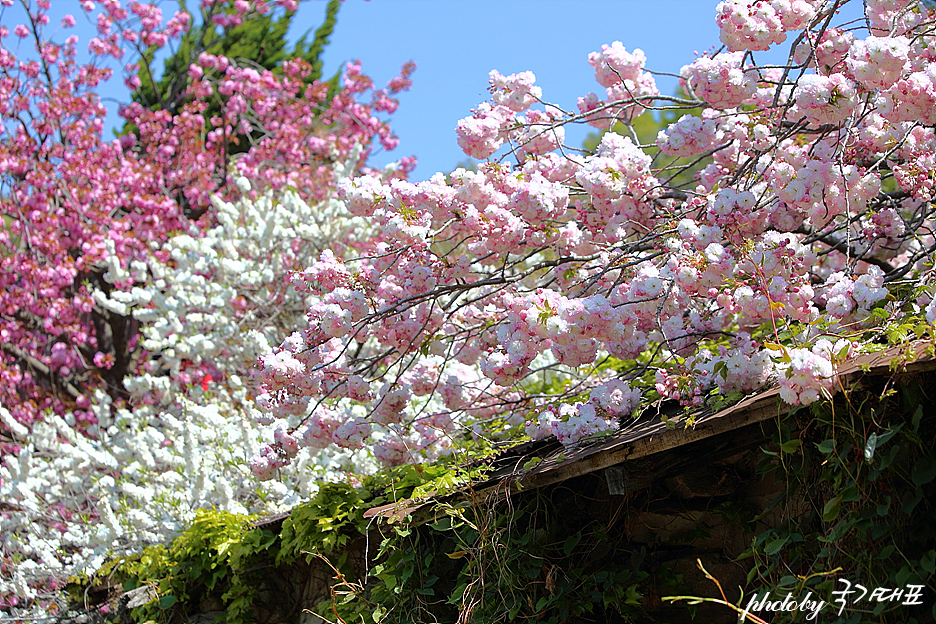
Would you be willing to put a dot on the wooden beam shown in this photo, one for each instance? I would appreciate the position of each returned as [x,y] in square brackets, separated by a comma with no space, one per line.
[552,470]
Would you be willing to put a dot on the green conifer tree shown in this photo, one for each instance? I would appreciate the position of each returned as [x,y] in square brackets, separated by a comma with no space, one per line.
[260,39]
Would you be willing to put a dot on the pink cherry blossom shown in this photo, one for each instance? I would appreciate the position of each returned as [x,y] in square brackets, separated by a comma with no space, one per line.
[721,81]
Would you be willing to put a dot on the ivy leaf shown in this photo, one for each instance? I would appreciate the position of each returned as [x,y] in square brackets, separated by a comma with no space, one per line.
[826,447]
[633,596]
[928,562]
[850,494]
[790,446]
[831,509]
[166,602]
[774,546]
[924,471]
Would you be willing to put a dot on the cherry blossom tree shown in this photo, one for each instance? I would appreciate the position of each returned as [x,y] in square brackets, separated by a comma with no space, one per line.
[559,292]
[80,210]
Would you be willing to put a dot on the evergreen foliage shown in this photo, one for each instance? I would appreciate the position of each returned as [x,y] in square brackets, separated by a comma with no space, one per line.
[260,39]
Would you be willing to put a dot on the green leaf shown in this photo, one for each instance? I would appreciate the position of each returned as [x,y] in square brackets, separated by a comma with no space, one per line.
[886,552]
[721,368]
[889,433]
[831,509]
[512,614]
[924,471]
[445,524]
[903,575]
[788,581]
[633,596]
[458,593]
[850,495]
[928,562]
[775,545]
[571,543]
[785,355]
[166,602]
[826,447]
[885,460]
[910,504]
[790,446]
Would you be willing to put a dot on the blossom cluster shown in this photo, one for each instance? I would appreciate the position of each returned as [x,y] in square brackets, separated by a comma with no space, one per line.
[721,81]
[553,293]
[80,210]
[757,25]
[627,86]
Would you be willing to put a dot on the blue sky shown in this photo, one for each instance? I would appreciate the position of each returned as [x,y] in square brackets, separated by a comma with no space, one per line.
[455,43]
